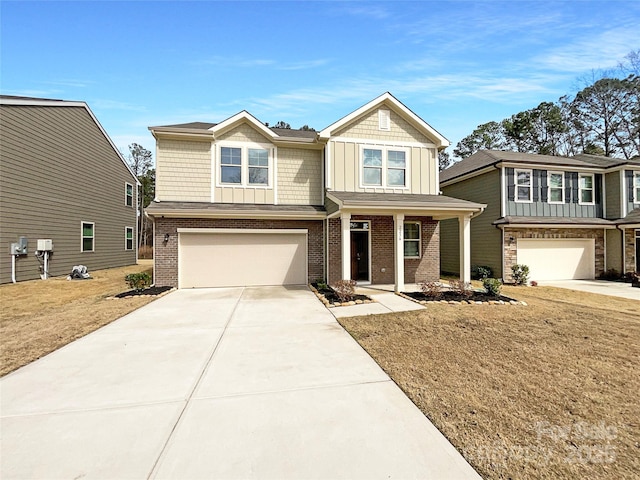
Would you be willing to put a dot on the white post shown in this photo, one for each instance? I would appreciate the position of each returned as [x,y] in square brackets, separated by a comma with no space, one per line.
[346,246]
[464,224]
[398,222]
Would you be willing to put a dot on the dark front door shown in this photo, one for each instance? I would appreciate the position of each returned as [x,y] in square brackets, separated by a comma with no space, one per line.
[360,255]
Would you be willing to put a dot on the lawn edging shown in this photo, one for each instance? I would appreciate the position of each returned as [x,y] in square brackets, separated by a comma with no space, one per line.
[462,302]
[329,304]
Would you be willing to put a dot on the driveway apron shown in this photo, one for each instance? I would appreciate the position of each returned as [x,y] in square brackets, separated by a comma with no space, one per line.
[217,383]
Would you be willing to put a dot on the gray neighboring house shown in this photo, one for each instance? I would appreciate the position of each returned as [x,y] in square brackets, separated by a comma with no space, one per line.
[564,217]
[63,179]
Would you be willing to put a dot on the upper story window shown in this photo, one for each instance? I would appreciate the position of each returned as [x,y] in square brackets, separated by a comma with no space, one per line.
[585,188]
[523,185]
[384,120]
[87,236]
[555,181]
[128,194]
[412,240]
[245,166]
[384,167]
[636,187]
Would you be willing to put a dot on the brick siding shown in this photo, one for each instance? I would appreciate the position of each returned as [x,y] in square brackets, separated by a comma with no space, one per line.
[166,255]
[629,250]
[510,247]
[382,250]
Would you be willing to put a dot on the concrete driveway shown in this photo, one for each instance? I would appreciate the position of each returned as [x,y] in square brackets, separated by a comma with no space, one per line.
[603,287]
[217,383]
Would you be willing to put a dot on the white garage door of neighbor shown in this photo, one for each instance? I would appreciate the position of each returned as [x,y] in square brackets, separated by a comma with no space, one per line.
[229,258]
[557,259]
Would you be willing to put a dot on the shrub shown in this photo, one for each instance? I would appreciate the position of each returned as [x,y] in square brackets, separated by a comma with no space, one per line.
[461,287]
[138,281]
[533,283]
[631,277]
[480,272]
[493,286]
[611,274]
[431,289]
[345,289]
[520,274]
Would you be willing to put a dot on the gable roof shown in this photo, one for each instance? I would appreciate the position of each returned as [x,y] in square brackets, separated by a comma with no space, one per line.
[47,102]
[488,158]
[388,99]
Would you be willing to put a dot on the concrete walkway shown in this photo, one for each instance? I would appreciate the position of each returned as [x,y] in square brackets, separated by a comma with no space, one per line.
[217,383]
[603,287]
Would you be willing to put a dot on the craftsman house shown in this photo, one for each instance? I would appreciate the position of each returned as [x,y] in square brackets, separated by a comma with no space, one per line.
[564,217]
[240,203]
[67,197]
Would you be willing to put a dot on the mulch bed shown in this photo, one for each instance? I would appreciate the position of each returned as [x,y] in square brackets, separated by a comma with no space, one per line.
[146,291]
[332,298]
[449,296]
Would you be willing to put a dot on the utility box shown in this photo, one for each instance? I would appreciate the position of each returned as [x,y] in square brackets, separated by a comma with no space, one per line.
[20,248]
[45,245]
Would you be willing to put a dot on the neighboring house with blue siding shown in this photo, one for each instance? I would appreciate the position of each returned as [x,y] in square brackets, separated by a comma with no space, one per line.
[564,217]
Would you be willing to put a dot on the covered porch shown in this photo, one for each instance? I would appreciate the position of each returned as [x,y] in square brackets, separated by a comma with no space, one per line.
[392,238]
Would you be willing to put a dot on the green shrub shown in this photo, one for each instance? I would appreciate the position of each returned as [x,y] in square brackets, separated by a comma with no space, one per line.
[480,272]
[345,290]
[520,274]
[493,286]
[138,281]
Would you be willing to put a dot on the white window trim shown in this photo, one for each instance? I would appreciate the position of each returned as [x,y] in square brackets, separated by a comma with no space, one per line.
[385,167]
[244,165]
[82,237]
[133,239]
[515,181]
[549,173]
[593,189]
[404,239]
[636,189]
[126,194]
[384,120]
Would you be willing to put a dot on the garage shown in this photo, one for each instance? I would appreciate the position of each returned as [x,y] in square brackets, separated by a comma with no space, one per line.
[557,259]
[241,257]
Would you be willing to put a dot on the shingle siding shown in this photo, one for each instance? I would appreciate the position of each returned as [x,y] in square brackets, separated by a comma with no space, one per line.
[299,177]
[183,170]
[57,170]
[368,127]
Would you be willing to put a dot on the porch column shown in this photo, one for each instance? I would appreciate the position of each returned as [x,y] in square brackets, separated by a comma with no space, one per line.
[398,222]
[346,246]
[464,224]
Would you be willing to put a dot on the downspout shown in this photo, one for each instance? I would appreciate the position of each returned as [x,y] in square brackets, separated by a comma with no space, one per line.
[13,268]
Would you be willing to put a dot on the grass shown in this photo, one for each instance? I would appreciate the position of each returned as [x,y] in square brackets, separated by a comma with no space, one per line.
[41,316]
[544,391]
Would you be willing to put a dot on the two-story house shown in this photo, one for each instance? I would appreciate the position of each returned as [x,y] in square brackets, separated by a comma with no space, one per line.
[61,179]
[564,217]
[239,203]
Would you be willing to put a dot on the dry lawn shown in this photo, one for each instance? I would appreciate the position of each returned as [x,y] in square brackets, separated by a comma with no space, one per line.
[41,316]
[544,391]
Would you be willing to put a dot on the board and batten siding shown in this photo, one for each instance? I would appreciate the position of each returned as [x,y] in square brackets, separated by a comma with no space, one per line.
[183,170]
[299,176]
[346,168]
[486,239]
[540,207]
[57,170]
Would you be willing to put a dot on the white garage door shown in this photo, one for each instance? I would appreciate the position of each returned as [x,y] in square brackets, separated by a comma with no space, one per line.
[557,259]
[233,257]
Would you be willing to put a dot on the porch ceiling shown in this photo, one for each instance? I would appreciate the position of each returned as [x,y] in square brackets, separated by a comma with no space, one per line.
[439,207]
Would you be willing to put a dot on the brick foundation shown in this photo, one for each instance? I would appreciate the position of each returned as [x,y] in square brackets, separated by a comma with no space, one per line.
[425,268]
[510,253]
[166,255]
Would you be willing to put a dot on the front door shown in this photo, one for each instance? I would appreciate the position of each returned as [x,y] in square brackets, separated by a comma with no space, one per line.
[360,255]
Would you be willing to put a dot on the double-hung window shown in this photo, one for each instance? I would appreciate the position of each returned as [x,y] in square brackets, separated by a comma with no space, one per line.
[636,187]
[230,165]
[556,187]
[128,238]
[523,185]
[411,239]
[384,167]
[244,166]
[585,188]
[128,193]
[87,237]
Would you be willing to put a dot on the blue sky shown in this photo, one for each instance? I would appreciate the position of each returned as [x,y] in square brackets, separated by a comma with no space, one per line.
[455,64]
